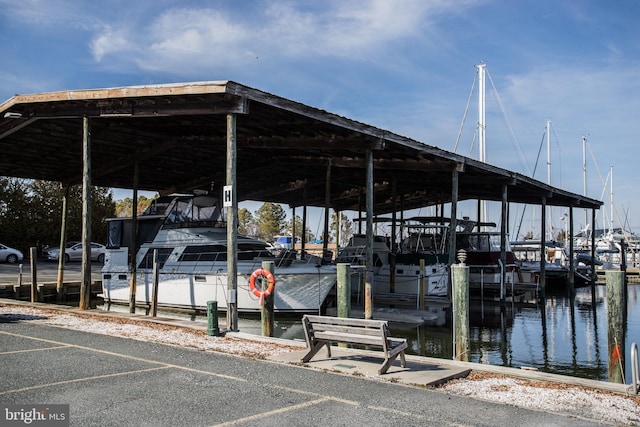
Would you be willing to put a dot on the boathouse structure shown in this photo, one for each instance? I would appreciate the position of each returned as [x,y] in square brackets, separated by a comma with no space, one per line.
[245,144]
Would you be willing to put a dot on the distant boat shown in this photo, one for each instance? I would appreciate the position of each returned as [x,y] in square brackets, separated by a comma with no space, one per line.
[190,237]
[399,271]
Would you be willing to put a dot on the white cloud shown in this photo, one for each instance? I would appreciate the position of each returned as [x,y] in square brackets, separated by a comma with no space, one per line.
[110,41]
[206,37]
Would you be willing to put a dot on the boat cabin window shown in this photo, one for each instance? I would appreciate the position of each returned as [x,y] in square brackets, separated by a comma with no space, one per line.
[163,255]
[204,253]
[249,251]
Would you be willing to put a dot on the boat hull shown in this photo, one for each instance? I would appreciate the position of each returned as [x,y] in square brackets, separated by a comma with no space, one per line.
[295,291]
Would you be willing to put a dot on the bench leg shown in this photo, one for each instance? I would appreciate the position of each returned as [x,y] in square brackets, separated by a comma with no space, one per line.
[314,350]
[389,360]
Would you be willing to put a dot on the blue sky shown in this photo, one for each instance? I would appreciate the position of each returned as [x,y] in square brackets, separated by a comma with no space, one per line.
[403,65]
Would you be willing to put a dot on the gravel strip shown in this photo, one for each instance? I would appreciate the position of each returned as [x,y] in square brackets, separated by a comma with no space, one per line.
[608,408]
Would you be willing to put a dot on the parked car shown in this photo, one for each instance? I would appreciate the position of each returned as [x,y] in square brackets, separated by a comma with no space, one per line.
[10,255]
[73,252]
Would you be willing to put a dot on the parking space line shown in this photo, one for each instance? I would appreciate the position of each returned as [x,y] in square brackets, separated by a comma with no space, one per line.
[274,412]
[77,380]
[126,356]
[2,353]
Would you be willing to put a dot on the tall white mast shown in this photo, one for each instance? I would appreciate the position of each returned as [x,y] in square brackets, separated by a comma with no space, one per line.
[481,130]
[481,112]
[549,152]
[584,179]
[611,198]
[549,211]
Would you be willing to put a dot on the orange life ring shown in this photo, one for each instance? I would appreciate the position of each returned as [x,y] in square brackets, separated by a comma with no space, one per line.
[265,274]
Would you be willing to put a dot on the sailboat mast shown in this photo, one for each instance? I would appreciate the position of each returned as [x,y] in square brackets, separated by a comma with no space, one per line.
[549,212]
[611,207]
[481,112]
[584,176]
[549,152]
[482,208]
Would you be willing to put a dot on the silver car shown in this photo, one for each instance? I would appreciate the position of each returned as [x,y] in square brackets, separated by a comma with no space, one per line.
[10,255]
[73,252]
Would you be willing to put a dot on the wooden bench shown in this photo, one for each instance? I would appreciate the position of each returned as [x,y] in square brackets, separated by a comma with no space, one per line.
[323,330]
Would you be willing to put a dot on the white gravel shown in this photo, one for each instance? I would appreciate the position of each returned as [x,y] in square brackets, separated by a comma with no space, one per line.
[600,406]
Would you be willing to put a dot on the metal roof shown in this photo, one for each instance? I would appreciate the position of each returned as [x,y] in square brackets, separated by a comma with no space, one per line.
[177,135]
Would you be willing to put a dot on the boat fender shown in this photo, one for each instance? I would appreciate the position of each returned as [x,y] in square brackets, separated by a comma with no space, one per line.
[266,274]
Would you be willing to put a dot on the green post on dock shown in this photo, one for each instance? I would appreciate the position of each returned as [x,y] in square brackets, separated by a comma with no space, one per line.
[460,279]
[212,319]
[616,301]
[267,309]
[343,288]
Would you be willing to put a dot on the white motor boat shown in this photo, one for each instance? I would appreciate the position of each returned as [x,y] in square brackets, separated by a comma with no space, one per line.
[190,238]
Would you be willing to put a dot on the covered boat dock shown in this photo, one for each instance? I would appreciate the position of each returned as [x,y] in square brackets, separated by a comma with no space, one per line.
[207,135]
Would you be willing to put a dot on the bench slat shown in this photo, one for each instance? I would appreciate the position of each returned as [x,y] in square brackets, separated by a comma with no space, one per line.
[349,338]
[317,327]
[346,321]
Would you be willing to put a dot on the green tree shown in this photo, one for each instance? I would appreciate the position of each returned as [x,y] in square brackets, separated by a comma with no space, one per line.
[346,229]
[123,207]
[270,218]
[288,229]
[246,222]
[15,223]
[31,213]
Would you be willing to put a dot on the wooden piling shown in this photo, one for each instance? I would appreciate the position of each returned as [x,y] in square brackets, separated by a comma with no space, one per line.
[156,282]
[616,301]
[63,243]
[33,254]
[267,309]
[421,286]
[343,288]
[460,276]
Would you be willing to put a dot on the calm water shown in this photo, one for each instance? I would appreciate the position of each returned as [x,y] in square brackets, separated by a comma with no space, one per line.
[568,337]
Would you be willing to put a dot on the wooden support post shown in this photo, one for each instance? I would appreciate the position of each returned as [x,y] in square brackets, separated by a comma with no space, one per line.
[343,288]
[303,243]
[33,255]
[503,243]
[460,276]
[63,244]
[615,321]
[454,219]
[267,309]
[421,285]
[232,226]
[327,204]
[543,246]
[85,286]
[156,280]
[572,268]
[368,284]
[594,275]
[133,243]
[453,225]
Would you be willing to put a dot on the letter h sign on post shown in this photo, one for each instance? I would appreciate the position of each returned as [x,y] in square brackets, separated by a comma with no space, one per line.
[227,196]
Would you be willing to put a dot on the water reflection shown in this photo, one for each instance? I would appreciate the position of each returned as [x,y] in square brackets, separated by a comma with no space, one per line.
[563,334]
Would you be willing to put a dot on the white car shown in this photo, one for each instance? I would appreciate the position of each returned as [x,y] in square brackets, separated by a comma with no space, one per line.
[10,255]
[74,252]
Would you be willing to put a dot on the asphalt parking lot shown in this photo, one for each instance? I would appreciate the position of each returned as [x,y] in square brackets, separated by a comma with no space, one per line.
[110,381]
